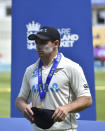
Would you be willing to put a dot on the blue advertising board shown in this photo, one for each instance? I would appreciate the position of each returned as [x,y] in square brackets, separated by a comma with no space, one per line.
[72,18]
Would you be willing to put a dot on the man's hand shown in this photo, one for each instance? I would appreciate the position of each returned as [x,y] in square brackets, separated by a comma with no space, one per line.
[78,105]
[28,113]
[25,108]
[60,113]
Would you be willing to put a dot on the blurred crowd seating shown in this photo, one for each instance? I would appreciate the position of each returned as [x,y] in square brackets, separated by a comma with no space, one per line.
[99,36]
[99,47]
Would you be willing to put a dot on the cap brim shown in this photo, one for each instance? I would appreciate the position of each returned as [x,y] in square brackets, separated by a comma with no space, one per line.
[40,36]
[43,117]
[32,37]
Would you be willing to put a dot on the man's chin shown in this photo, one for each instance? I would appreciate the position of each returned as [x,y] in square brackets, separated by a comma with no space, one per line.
[41,53]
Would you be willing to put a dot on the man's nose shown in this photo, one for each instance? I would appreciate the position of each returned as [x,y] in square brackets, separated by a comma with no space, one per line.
[39,47]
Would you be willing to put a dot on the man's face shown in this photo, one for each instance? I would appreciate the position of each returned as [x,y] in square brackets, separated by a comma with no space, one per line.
[44,47]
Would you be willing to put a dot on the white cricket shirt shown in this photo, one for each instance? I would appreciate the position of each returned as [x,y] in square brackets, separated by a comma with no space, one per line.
[67,84]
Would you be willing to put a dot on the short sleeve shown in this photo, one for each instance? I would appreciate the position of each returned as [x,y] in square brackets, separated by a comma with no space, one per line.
[78,82]
[25,91]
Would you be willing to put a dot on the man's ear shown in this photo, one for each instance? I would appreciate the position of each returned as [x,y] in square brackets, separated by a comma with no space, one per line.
[57,43]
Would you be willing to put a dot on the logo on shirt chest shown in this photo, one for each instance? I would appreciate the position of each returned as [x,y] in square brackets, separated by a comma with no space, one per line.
[54,88]
[35,73]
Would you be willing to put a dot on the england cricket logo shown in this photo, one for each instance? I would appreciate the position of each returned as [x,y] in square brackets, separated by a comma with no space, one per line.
[67,38]
[32,28]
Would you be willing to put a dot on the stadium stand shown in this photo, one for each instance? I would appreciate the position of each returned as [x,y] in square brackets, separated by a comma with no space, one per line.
[99,36]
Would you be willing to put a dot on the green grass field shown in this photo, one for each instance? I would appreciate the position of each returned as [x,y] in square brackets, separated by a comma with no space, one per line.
[100,95]
[5,94]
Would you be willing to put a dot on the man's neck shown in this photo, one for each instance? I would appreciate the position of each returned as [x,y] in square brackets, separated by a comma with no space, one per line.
[47,59]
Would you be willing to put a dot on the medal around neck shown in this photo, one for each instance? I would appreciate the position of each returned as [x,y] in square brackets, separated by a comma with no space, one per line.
[43,117]
[43,90]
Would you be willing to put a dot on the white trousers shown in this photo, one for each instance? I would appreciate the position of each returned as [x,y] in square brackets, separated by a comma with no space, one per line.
[38,129]
[59,130]
[71,130]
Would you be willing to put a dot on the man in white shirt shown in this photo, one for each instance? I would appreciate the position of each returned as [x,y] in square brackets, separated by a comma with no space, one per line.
[54,82]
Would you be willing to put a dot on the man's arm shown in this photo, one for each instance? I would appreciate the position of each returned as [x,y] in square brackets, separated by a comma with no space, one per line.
[78,105]
[25,108]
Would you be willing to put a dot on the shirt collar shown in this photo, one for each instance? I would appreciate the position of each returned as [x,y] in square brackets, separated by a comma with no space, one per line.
[61,65]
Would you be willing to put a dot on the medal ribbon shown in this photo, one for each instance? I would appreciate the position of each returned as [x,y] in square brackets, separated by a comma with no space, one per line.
[43,90]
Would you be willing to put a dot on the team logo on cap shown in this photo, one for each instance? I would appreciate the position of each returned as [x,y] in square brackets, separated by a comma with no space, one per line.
[67,38]
[43,30]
